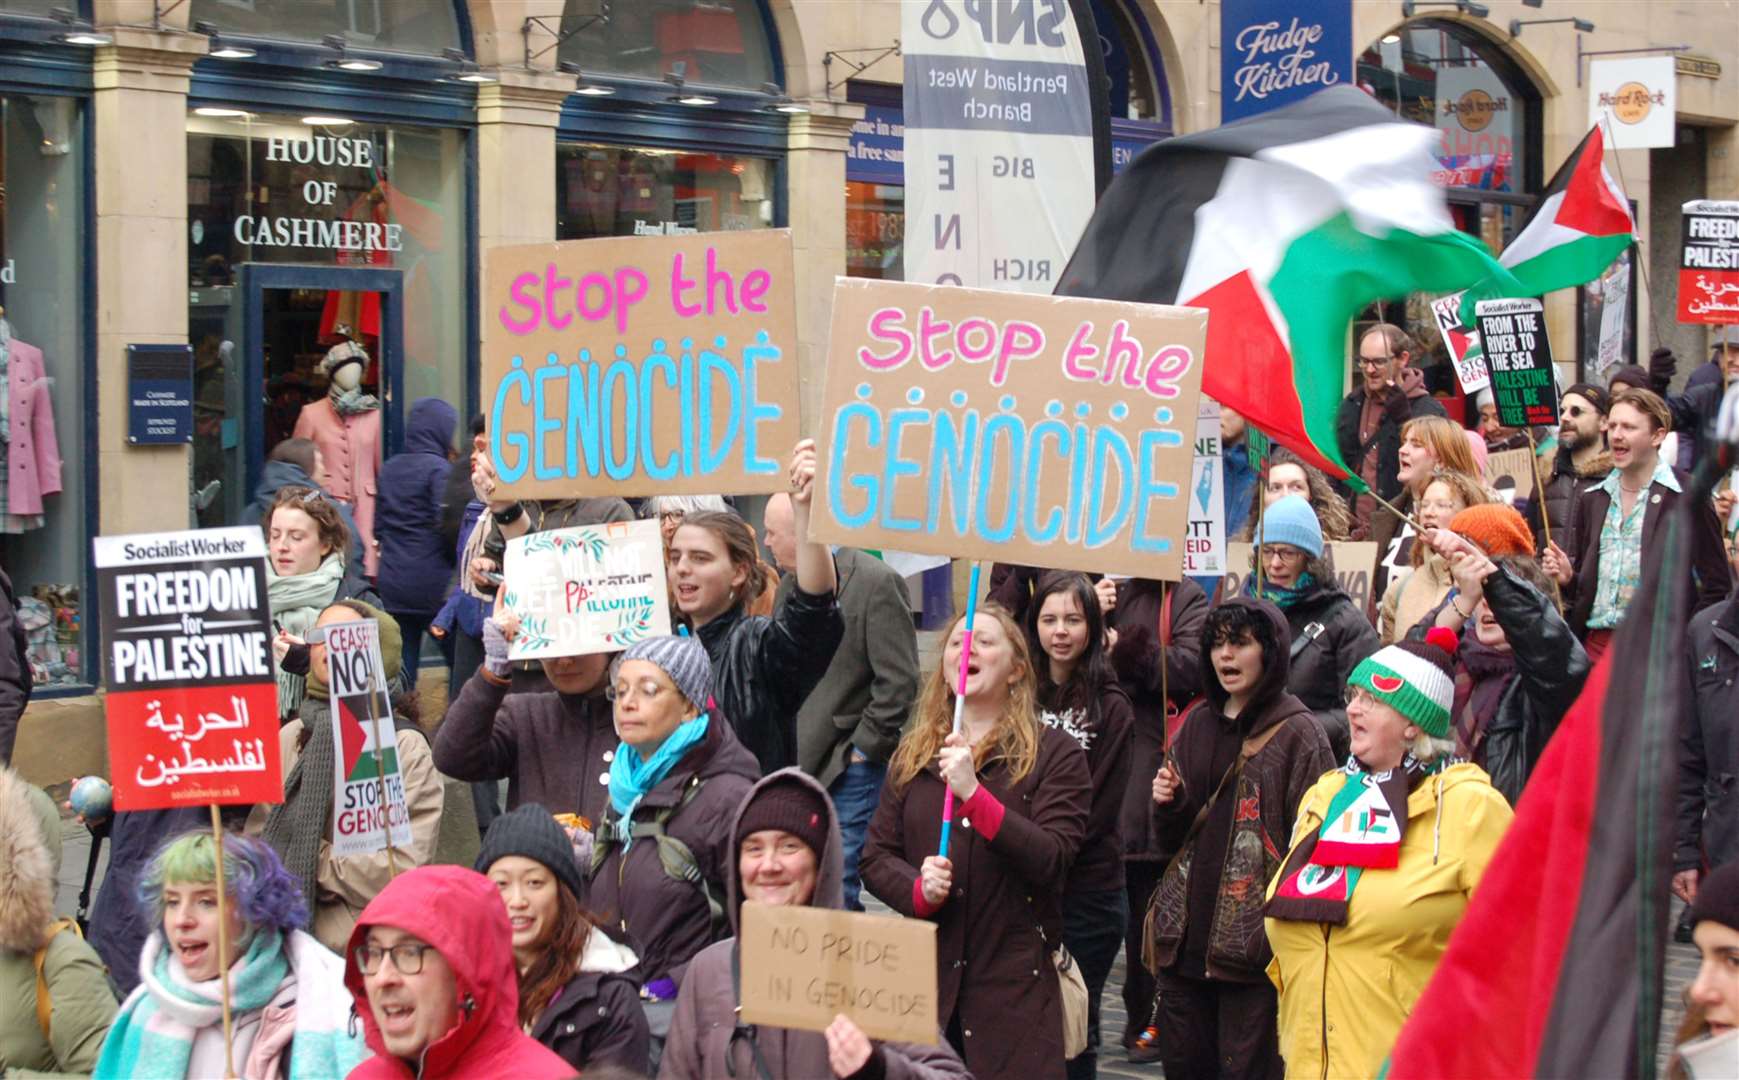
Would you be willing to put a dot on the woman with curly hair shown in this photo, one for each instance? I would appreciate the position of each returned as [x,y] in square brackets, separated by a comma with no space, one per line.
[1022,792]
[1415,594]
[1288,474]
[290,1010]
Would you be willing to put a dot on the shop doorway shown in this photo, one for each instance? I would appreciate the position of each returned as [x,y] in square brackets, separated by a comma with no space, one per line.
[257,351]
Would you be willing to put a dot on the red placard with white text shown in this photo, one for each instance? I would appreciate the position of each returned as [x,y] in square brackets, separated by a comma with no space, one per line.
[1709,263]
[192,698]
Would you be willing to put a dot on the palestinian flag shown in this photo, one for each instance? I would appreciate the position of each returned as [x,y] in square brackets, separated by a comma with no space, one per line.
[1583,222]
[1284,226]
[1556,966]
[357,739]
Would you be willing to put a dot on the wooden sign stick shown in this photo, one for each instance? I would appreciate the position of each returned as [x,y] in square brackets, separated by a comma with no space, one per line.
[223,943]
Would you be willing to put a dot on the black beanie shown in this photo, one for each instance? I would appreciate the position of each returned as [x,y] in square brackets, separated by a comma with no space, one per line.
[1630,375]
[790,805]
[531,833]
[1718,897]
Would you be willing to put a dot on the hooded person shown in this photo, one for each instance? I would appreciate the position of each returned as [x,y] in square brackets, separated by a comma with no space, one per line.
[579,988]
[1386,853]
[300,827]
[416,564]
[55,1001]
[1225,801]
[787,850]
[661,851]
[429,966]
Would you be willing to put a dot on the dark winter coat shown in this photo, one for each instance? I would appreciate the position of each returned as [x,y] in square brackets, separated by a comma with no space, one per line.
[15,679]
[1320,665]
[765,667]
[458,912]
[1711,574]
[1550,668]
[668,920]
[416,566]
[1108,740]
[553,749]
[1708,803]
[596,1018]
[1388,435]
[1206,916]
[864,698]
[702,1043]
[997,929]
[1560,492]
[283,474]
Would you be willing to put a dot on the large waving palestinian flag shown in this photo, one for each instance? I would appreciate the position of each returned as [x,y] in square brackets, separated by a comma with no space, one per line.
[1284,226]
[1583,222]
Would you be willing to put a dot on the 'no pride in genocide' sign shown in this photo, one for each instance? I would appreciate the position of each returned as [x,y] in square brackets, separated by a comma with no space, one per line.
[641,365]
[1047,431]
[1513,335]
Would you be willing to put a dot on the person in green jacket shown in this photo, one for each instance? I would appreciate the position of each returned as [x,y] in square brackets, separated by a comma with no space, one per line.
[73,991]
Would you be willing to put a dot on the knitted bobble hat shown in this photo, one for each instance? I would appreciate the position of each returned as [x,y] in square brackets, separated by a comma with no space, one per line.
[1415,678]
[1290,520]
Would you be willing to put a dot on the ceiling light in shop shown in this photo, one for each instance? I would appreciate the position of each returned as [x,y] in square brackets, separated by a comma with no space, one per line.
[692,98]
[233,52]
[594,90]
[85,37]
[212,110]
[1391,37]
[328,121]
[355,63]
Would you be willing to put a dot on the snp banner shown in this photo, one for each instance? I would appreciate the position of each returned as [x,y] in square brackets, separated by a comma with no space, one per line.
[999,142]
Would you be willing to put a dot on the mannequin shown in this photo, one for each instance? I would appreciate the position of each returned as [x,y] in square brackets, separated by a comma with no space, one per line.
[345,425]
[31,468]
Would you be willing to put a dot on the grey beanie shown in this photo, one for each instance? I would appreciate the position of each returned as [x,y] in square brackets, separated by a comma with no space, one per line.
[684,660]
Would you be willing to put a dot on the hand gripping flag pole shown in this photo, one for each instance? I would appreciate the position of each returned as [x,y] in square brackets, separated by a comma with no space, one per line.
[960,696]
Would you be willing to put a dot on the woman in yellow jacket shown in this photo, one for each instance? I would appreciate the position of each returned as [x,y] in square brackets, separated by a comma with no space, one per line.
[1385,854]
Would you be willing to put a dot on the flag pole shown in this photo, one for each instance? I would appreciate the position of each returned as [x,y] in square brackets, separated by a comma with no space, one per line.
[1539,485]
[1393,509]
[1640,264]
[223,943]
[960,695]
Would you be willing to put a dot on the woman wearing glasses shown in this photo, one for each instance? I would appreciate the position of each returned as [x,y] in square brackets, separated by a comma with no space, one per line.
[1386,852]
[290,1012]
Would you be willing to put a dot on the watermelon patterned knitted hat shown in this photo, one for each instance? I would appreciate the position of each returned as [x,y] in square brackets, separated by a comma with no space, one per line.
[1415,678]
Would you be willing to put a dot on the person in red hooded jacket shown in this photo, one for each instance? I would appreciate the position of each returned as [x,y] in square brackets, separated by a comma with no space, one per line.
[430,965]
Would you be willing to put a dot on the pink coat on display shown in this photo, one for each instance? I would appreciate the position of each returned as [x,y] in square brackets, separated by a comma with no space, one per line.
[34,450]
[350,446]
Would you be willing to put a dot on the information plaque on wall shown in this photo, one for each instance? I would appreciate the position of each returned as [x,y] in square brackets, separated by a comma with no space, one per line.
[159,394]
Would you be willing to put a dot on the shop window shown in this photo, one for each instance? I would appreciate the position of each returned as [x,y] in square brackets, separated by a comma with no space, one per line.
[875,230]
[41,9]
[1135,84]
[43,538]
[273,190]
[618,191]
[720,42]
[411,26]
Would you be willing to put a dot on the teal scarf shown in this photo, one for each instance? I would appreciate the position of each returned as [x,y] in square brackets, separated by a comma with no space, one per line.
[632,776]
[1280,596]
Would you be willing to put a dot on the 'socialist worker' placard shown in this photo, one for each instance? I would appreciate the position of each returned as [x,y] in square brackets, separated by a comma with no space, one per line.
[802,966]
[598,588]
[1513,335]
[641,365]
[368,795]
[1709,263]
[192,699]
[1048,431]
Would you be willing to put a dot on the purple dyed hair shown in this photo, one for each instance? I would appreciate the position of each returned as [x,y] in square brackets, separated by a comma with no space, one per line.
[254,878]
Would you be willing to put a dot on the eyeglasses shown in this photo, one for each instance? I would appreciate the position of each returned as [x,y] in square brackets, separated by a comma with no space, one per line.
[1575,411]
[1374,361]
[1288,554]
[646,690]
[406,959]
[1358,695]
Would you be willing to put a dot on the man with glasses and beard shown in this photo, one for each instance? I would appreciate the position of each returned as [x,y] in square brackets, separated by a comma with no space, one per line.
[1389,393]
[1582,459]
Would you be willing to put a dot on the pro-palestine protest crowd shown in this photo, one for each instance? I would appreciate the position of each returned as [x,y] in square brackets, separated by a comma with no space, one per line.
[1278,804]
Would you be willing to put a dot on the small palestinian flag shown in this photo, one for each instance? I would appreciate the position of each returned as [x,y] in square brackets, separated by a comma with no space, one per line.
[360,762]
[1284,226]
[1583,222]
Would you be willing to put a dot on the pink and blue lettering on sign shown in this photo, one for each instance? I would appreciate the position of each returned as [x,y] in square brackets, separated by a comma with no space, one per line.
[983,424]
[637,365]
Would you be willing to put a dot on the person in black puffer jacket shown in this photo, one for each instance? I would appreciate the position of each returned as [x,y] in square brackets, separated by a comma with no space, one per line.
[1330,635]
[763,666]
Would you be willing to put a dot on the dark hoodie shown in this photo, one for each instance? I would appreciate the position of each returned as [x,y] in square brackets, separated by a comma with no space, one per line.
[1206,916]
[700,1045]
[416,565]
[459,912]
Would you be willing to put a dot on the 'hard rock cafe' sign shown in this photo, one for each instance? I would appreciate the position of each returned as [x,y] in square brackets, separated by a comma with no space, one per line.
[1635,99]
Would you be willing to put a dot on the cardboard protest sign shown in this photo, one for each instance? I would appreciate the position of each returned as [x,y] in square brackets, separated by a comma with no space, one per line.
[1709,263]
[1204,551]
[1513,335]
[802,966]
[192,700]
[1354,564]
[1462,342]
[1510,473]
[1049,431]
[598,588]
[368,791]
[641,365]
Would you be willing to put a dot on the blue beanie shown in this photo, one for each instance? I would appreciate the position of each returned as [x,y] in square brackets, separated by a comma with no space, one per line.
[1290,520]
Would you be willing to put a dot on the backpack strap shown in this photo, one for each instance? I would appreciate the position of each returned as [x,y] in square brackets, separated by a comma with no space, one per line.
[742,1030]
[676,857]
[45,1003]
[1252,746]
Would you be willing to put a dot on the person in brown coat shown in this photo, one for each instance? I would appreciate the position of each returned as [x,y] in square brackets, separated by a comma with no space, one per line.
[1022,793]
[1225,801]
[787,840]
